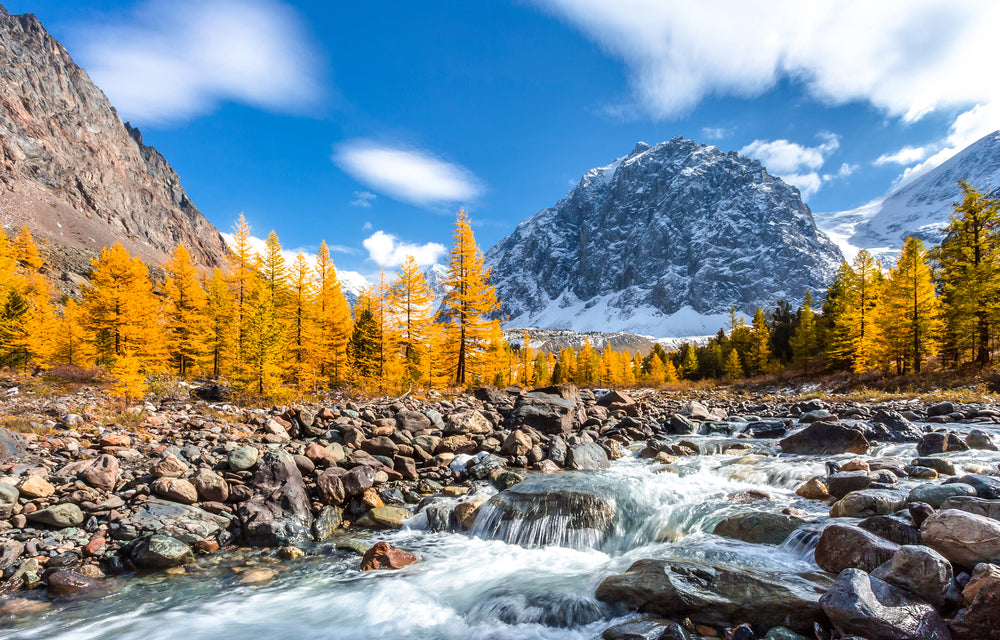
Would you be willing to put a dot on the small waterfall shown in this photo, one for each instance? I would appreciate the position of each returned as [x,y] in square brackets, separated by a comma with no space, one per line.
[563,610]
[801,543]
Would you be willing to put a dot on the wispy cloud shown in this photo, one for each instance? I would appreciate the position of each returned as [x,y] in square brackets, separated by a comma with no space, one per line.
[796,164]
[386,250]
[906,155]
[171,60]
[363,199]
[714,133]
[409,175]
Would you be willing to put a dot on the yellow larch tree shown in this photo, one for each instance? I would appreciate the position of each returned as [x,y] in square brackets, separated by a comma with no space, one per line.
[219,330]
[334,321]
[121,312]
[72,346]
[26,251]
[759,354]
[241,274]
[410,299]
[32,339]
[469,301]
[260,370]
[911,313]
[303,333]
[186,320]
[855,337]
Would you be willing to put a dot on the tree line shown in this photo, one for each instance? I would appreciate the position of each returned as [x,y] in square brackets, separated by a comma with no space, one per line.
[264,324]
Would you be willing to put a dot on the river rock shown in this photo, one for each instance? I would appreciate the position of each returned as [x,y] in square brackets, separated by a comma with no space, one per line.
[645,629]
[715,594]
[66,584]
[59,516]
[383,555]
[412,421]
[978,506]
[862,605]
[327,523]
[469,421]
[8,498]
[169,467]
[936,494]
[868,502]
[891,426]
[759,527]
[843,546]
[814,489]
[825,438]
[964,538]
[843,482]
[102,473]
[211,487]
[893,528]
[35,486]
[176,489]
[11,445]
[160,551]
[587,456]
[185,522]
[319,455]
[987,487]
[546,413]
[979,618]
[940,409]
[942,466]
[919,570]
[242,458]
[940,442]
[389,517]
[358,480]
[279,512]
[516,444]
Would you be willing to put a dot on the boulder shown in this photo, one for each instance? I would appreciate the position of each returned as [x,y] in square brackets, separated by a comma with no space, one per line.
[986,487]
[759,527]
[327,523]
[211,487]
[176,489]
[843,546]
[940,409]
[279,512]
[587,456]
[979,439]
[184,522]
[60,516]
[169,467]
[843,482]
[861,605]
[66,584]
[358,480]
[516,444]
[102,473]
[412,421]
[645,629]
[979,618]
[893,528]
[891,426]
[243,458]
[683,426]
[814,489]
[11,445]
[549,414]
[936,494]
[964,538]
[716,595]
[825,438]
[940,442]
[160,551]
[389,517]
[35,486]
[978,506]
[469,421]
[383,555]
[868,502]
[920,571]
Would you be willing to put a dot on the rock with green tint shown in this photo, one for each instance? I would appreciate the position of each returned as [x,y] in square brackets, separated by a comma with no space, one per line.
[60,516]
[327,523]
[161,552]
[390,517]
[243,458]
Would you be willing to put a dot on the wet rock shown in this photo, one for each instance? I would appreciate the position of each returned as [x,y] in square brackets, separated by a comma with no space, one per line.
[893,528]
[68,584]
[940,409]
[964,538]
[919,511]
[176,489]
[279,513]
[160,551]
[587,456]
[35,486]
[891,426]
[979,618]
[765,429]
[714,594]
[389,517]
[814,489]
[546,413]
[936,494]
[683,426]
[169,467]
[59,516]
[643,629]
[258,575]
[862,605]
[102,473]
[978,506]
[327,523]
[940,465]
[358,480]
[211,487]
[759,527]
[920,571]
[978,439]
[825,438]
[843,482]
[10,552]
[843,546]
[986,487]
[516,444]
[868,502]
[242,458]
[330,486]
[783,633]
[187,523]
[939,442]
[17,607]
[383,555]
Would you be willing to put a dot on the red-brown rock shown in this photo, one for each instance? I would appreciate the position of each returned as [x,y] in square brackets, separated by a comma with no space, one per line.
[385,556]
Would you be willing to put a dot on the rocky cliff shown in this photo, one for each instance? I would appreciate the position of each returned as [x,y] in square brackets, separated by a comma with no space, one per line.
[72,171]
[662,241]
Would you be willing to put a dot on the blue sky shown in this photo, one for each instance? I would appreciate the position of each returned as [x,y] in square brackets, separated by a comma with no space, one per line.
[369,124]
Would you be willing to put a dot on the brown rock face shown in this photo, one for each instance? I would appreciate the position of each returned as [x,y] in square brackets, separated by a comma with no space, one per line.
[73,172]
[385,556]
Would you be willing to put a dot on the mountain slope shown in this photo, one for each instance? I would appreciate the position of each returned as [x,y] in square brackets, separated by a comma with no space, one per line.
[662,241]
[920,207]
[72,170]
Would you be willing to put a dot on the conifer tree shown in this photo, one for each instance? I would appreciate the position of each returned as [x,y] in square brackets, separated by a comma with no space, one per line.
[410,299]
[72,345]
[186,321]
[854,338]
[304,331]
[911,313]
[689,362]
[655,373]
[263,340]
[121,312]
[219,317]
[541,370]
[8,266]
[731,367]
[468,301]
[334,319]
[760,343]
[805,340]
[670,373]
[968,263]
[32,338]
[26,251]
[587,364]
[241,273]
[363,350]
[130,381]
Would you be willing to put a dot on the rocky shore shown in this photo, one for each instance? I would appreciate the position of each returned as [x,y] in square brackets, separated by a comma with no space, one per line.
[174,484]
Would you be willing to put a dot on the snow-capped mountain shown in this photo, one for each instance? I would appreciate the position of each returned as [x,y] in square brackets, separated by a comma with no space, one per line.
[662,242]
[353,283]
[919,207]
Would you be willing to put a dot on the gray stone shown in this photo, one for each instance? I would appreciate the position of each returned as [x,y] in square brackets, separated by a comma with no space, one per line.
[161,552]
[919,570]
[327,523]
[843,546]
[60,516]
[936,494]
[549,414]
[279,513]
[978,439]
[185,522]
[587,456]
[978,506]
[825,438]
[940,442]
[843,482]
[964,538]
[759,527]
[868,502]
[243,458]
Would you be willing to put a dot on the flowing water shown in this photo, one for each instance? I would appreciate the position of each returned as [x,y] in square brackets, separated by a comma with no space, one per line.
[504,580]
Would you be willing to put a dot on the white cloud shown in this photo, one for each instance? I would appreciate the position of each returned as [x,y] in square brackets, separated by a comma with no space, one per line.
[714,133]
[363,199]
[367,226]
[172,60]
[794,163]
[967,128]
[905,57]
[259,245]
[906,155]
[409,175]
[386,250]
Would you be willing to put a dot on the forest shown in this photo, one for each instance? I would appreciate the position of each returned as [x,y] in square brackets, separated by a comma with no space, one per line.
[279,329]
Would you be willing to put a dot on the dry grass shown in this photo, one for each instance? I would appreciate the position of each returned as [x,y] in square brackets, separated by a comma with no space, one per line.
[23,424]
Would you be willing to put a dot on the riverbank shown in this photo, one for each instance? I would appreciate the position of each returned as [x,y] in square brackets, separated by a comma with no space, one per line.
[199,492]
